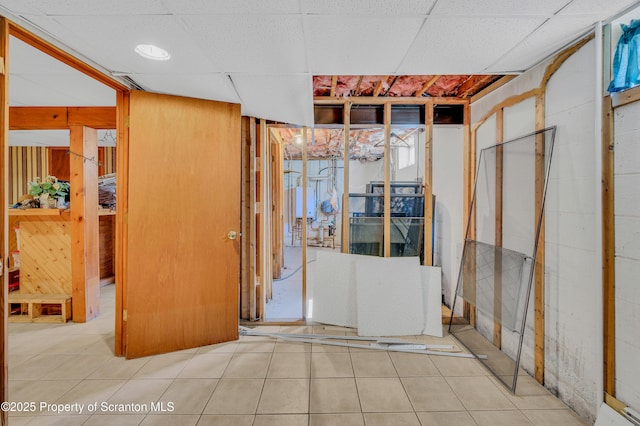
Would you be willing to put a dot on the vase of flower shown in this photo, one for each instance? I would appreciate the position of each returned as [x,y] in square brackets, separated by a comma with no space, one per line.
[48,191]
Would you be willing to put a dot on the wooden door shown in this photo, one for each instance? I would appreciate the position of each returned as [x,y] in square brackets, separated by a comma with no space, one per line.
[182,264]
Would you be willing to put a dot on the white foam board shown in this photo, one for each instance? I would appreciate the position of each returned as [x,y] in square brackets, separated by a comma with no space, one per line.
[431,293]
[389,296]
[334,291]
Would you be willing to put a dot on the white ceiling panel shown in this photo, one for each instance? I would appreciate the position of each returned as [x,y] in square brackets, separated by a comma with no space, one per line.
[358,45]
[59,90]
[19,6]
[96,7]
[464,45]
[216,87]
[54,138]
[24,59]
[251,43]
[599,9]
[368,7]
[499,7]
[549,38]
[286,98]
[110,41]
[225,7]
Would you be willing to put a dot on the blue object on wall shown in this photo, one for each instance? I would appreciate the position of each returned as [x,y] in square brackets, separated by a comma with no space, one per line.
[626,71]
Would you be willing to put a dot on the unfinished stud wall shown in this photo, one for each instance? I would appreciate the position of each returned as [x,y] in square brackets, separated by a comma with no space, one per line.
[627,252]
[572,273]
[447,187]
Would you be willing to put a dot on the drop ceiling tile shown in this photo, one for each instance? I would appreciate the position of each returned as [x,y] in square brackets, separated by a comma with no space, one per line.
[88,8]
[110,41]
[448,45]
[599,9]
[368,7]
[59,90]
[251,43]
[554,35]
[216,87]
[224,7]
[349,45]
[285,98]
[499,7]
[39,138]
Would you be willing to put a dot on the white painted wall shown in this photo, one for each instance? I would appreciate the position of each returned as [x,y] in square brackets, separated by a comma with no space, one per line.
[572,268]
[447,178]
[627,252]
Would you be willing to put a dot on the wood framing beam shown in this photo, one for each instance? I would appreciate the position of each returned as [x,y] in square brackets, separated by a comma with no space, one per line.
[538,278]
[427,85]
[334,83]
[254,236]
[346,115]
[387,182]
[4,220]
[403,100]
[428,185]
[356,92]
[496,85]
[469,177]
[497,276]
[55,118]
[625,97]
[378,88]
[85,269]
[304,222]
[608,247]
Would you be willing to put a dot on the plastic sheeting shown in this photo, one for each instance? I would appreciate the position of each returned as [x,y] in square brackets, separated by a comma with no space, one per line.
[626,66]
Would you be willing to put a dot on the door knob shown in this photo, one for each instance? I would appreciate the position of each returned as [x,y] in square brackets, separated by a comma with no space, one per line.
[232,235]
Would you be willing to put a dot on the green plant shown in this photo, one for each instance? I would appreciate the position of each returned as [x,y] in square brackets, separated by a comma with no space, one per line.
[51,187]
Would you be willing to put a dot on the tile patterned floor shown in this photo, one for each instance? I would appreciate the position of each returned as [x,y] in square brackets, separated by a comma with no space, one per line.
[258,382]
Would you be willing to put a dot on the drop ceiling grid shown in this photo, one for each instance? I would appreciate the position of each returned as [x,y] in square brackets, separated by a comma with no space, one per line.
[347,45]
[448,45]
[205,86]
[498,7]
[546,40]
[226,7]
[383,8]
[110,41]
[286,98]
[598,9]
[251,43]
[93,8]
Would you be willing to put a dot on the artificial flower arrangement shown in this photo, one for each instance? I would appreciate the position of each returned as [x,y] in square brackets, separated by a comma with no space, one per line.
[50,187]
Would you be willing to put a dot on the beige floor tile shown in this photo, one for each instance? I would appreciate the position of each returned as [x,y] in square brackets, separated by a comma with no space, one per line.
[292,347]
[78,367]
[297,329]
[281,420]
[334,396]
[227,420]
[38,366]
[114,419]
[331,329]
[20,421]
[331,365]
[317,347]
[226,347]
[288,365]
[248,366]
[166,366]
[139,391]
[350,419]
[235,396]
[91,391]
[500,418]
[170,420]
[58,420]
[189,396]
[382,395]
[479,393]
[206,366]
[373,364]
[39,391]
[462,367]
[413,365]
[460,418]
[256,346]
[391,419]
[281,396]
[564,417]
[119,368]
[431,394]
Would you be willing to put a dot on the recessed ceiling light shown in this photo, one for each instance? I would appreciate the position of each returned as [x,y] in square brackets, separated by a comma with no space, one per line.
[150,51]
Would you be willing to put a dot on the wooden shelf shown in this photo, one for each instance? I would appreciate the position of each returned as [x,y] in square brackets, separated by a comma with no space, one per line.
[36,212]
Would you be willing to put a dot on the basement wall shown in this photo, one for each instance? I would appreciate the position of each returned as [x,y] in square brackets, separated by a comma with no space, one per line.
[572,266]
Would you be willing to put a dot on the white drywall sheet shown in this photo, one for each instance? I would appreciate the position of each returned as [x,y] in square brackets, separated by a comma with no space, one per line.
[389,296]
[334,291]
[607,416]
[431,293]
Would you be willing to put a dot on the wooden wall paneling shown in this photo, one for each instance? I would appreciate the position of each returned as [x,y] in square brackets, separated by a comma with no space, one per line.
[25,164]
[122,227]
[4,223]
[428,185]
[387,181]
[305,141]
[608,247]
[84,223]
[346,116]
[101,161]
[106,231]
[538,279]
[14,221]
[59,163]
[497,276]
